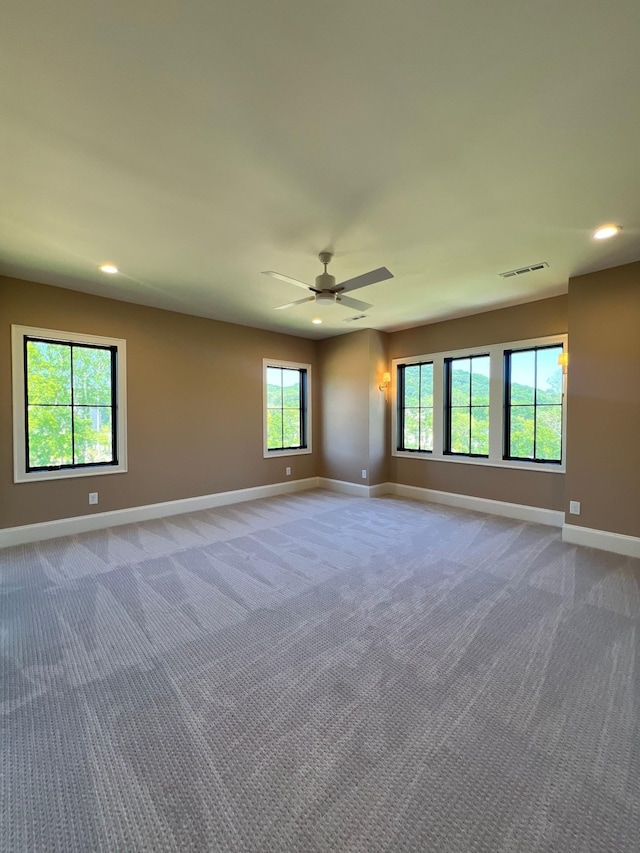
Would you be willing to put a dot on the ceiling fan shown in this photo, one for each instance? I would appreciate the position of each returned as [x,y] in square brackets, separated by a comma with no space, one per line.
[326,291]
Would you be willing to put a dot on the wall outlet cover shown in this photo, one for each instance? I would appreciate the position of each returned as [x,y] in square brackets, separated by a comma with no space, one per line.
[287,471]
[93,498]
[574,507]
[364,473]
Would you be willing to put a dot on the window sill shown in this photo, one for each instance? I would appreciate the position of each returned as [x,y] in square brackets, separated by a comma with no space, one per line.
[547,467]
[302,451]
[67,473]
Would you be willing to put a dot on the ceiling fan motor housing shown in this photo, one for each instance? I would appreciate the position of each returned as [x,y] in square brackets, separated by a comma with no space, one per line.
[324,296]
[325,281]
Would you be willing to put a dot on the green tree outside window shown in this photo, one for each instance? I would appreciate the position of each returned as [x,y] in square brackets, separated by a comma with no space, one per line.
[70,404]
[286,404]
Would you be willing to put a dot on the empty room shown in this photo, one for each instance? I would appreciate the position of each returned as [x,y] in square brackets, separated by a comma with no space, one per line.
[319,427]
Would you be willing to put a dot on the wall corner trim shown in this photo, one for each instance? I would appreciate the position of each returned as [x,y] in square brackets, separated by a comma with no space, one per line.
[521,512]
[589,537]
[11,536]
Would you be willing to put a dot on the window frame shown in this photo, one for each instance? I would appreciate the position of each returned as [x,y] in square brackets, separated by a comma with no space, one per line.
[305,409]
[508,406]
[448,405]
[21,471]
[400,409]
[496,406]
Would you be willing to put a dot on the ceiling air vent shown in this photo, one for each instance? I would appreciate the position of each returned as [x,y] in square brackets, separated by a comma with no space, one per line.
[355,317]
[523,270]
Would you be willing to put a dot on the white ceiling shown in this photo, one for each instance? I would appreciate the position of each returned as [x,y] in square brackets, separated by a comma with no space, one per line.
[196,144]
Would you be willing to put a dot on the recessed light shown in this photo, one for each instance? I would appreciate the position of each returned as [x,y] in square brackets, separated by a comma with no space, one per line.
[607,231]
[316,321]
[109,268]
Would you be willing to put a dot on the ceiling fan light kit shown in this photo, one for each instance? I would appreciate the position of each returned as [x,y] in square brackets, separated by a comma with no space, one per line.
[326,291]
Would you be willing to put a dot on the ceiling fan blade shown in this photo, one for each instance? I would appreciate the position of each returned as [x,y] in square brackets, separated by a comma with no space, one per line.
[288,279]
[297,302]
[353,303]
[372,277]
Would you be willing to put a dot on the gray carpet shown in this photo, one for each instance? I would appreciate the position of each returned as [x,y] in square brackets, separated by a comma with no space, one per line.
[320,673]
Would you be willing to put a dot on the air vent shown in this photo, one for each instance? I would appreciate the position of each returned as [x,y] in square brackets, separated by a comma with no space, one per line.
[355,317]
[523,270]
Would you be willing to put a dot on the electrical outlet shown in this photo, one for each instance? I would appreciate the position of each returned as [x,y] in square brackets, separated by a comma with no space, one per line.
[93,498]
[574,507]
[364,473]
[287,471]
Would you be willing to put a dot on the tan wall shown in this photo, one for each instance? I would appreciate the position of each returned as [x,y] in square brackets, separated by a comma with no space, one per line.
[194,404]
[344,401]
[545,317]
[532,488]
[379,411]
[603,436]
[355,413]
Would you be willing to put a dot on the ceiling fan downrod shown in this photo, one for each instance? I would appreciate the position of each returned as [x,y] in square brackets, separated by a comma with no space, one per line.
[325,281]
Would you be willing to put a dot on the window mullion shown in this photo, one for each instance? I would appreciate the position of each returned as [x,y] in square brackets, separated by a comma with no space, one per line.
[419,397]
[446,390]
[535,406]
[438,406]
[497,404]
[281,407]
[114,407]
[301,407]
[73,431]
[400,407]
[470,403]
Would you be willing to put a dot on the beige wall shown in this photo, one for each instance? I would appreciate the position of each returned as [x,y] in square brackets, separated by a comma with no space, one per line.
[355,413]
[532,488]
[194,404]
[379,408]
[545,317]
[344,403]
[603,435]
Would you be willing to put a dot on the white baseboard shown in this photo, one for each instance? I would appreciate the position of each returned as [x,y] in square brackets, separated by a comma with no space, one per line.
[356,490]
[521,512]
[100,520]
[618,543]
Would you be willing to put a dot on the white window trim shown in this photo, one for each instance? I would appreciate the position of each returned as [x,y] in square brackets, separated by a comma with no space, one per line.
[496,406]
[20,473]
[295,365]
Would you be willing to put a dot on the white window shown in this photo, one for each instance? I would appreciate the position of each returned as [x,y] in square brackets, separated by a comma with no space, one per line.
[287,407]
[69,404]
[499,405]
